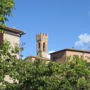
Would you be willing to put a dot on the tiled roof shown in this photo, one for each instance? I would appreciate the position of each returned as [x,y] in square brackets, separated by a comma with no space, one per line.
[72,49]
[43,58]
[13,29]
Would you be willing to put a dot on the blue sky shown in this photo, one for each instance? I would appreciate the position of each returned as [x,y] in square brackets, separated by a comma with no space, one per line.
[63,20]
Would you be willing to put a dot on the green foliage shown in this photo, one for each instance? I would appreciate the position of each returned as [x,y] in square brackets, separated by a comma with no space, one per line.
[40,53]
[74,75]
[6,7]
[38,75]
[8,57]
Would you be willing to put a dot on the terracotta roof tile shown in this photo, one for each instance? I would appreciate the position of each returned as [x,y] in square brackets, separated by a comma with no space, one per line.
[13,29]
[72,49]
[43,58]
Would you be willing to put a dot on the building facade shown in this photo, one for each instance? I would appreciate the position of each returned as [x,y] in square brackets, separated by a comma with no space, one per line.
[42,45]
[61,56]
[42,48]
[12,35]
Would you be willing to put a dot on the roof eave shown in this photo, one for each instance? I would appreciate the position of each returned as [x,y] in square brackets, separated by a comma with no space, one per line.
[14,30]
[69,49]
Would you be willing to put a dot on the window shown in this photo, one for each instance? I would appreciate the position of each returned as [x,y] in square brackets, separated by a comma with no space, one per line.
[44,46]
[39,45]
[54,58]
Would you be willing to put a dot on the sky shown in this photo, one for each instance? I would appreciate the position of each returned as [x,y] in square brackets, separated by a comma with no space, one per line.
[67,23]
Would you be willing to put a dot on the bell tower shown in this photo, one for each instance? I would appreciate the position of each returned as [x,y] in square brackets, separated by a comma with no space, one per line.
[42,44]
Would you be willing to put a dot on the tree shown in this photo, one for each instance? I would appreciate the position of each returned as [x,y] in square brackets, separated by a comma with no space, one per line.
[76,74]
[7,58]
[73,75]
[38,75]
[6,7]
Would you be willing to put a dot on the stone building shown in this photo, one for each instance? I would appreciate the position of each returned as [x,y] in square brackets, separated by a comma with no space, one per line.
[42,44]
[61,56]
[42,48]
[12,35]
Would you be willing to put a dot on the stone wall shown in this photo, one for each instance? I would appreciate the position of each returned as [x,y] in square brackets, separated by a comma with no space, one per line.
[13,39]
[59,57]
[42,39]
[62,56]
[84,55]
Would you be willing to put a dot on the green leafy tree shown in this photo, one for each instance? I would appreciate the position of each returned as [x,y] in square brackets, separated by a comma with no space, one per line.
[77,74]
[38,75]
[6,7]
[73,75]
[7,59]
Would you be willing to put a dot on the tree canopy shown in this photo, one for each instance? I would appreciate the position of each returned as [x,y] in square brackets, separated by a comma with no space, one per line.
[38,75]
[6,7]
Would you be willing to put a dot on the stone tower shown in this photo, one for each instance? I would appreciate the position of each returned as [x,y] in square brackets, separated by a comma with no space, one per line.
[42,44]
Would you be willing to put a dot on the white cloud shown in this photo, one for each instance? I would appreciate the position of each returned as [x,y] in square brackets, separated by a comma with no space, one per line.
[48,55]
[84,39]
